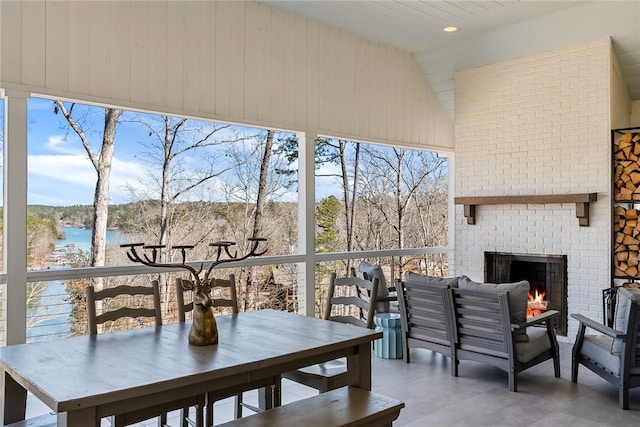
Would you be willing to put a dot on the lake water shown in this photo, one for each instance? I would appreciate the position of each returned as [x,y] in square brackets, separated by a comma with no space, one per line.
[50,318]
[81,238]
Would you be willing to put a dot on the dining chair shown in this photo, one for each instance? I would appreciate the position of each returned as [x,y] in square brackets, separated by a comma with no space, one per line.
[130,302]
[224,295]
[350,300]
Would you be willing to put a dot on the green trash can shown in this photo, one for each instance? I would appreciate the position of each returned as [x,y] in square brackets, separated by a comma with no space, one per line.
[390,345]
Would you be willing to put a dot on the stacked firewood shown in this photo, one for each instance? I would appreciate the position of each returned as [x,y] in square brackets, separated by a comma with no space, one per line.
[627,167]
[627,241]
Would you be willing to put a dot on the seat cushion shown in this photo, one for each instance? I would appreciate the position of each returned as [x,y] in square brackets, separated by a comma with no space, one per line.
[598,349]
[518,299]
[538,343]
[421,279]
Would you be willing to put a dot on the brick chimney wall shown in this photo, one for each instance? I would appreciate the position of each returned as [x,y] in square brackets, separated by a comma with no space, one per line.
[534,126]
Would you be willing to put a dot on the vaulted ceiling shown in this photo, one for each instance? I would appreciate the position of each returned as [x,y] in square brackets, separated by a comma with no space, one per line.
[489,31]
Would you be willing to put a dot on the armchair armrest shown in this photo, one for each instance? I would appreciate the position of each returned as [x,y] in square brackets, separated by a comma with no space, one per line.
[599,327]
[536,320]
[544,317]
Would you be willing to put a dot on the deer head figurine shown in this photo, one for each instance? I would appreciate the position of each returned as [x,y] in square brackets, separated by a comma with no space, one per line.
[204,330]
[203,327]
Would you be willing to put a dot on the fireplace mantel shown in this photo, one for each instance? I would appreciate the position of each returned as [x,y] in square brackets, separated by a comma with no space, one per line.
[581,200]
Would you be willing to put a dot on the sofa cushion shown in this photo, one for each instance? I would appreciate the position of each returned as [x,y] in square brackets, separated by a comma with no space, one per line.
[623,304]
[421,279]
[518,299]
[373,271]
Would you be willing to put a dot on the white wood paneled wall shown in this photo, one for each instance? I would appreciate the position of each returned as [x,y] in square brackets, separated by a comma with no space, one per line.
[240,62]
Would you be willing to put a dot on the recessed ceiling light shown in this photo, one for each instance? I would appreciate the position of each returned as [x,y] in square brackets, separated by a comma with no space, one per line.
[450,29]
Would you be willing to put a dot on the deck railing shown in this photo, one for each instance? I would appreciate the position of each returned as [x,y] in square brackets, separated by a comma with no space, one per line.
[50,311]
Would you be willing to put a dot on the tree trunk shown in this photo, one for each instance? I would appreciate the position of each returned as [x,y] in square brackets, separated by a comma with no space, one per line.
[400,205]
[102,165]
[260,202]
[349,194]
[262,184]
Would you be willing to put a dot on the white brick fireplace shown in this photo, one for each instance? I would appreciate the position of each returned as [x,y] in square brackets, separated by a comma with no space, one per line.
[538,125]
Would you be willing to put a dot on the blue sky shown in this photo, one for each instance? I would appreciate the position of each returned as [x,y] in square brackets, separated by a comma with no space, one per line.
[60,172]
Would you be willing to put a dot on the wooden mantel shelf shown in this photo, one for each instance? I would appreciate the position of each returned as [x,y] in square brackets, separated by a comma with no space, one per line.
[581,200]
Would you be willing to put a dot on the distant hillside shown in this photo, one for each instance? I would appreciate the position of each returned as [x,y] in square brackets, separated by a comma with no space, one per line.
[123,216]
[79,215]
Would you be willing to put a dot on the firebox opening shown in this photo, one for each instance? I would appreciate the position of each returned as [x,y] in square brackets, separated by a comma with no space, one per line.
[536,274]
[547,277]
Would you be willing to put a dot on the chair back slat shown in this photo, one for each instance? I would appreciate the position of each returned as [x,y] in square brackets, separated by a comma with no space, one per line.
[351,300]
[103,296]
[220,286]
[223,291]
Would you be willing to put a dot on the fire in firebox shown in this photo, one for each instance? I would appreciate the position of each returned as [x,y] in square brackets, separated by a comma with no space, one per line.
[537,304]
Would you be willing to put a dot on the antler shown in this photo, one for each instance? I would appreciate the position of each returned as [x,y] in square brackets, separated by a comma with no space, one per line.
[225,246]
[222,247]
[132,254]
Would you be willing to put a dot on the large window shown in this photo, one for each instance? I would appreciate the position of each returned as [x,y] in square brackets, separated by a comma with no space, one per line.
[372,197]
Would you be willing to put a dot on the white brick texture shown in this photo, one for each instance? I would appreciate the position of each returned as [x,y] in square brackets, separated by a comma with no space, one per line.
[538,125]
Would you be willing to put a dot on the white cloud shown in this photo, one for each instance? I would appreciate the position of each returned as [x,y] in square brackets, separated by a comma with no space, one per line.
[71,179]
[59,144]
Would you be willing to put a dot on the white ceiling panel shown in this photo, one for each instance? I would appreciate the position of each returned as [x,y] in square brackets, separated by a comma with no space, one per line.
[490,31]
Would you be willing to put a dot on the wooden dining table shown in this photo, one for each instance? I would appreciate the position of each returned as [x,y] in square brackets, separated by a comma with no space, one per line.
[86,378]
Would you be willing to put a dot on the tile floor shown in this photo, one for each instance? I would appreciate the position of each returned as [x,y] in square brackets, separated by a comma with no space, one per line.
[479,396]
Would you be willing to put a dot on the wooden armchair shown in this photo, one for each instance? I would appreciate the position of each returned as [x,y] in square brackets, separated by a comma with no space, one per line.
[481,329]
[422,312]
[614,355]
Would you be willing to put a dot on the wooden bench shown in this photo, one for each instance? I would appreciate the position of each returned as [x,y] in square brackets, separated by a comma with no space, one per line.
[46,420]
[343,407]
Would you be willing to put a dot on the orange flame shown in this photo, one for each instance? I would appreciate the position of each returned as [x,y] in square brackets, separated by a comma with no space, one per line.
[537,304]
[538,297]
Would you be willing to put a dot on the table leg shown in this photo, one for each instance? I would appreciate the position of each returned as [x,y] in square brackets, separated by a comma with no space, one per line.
[14,397]
[359,367]
[85,417]
[265,398]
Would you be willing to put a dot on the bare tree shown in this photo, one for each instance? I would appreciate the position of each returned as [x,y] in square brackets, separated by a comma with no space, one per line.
[349,190]
[401,174]
[182,158]
[248,194]
[101,161]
